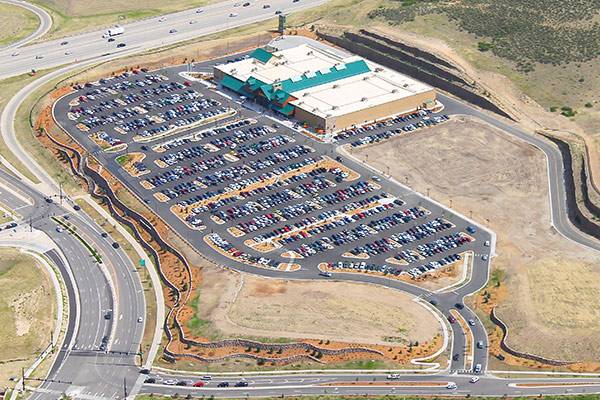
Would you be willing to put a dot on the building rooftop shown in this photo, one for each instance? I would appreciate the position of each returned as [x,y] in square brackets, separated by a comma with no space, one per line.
[282,65]
[378,86]
[322,82]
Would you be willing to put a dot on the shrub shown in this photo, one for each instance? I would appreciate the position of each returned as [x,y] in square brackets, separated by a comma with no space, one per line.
[484,46]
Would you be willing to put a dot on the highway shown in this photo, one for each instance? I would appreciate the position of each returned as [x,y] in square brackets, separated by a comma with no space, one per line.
[83,371]
[144,34]
[41,30]
[94,290]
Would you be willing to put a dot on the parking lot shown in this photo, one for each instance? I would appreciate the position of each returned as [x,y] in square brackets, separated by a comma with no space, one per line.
[245,189]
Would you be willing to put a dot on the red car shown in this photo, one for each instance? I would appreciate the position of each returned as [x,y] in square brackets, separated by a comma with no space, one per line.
[198,384]
[451,319]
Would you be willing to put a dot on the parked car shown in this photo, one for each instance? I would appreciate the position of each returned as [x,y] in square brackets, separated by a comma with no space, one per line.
[223,384]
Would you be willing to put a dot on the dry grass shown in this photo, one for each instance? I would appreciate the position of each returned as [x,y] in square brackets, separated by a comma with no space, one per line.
[339,311]
[73,16]
[16,22]
[27,310]
[503,183]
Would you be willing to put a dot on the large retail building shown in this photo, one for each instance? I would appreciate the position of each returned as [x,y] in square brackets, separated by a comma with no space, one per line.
[321,89]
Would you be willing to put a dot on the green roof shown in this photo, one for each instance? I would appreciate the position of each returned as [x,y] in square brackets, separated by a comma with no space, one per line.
[232,83]
[286,110]
[315,79]
[318,78]
[261,55]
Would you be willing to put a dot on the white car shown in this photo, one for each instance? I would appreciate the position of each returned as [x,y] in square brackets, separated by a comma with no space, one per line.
[484,257]
[233,15]
[451,386]
[199,11]
[393,376]
[59,229]
[487,243]
[474,379]
[140,319]
[170,382]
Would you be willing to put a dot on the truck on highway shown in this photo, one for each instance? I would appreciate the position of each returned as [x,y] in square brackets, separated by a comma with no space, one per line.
[117,30]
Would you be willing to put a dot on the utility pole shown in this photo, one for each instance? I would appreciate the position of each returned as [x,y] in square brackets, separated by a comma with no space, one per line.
[141,356]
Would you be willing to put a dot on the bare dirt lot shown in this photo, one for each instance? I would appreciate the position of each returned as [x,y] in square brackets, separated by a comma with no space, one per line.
[250,306]
[26,312]
[230,304]
[551,307]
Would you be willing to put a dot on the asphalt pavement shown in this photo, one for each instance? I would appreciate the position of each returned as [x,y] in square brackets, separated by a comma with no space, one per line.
[81,367]
[145,34]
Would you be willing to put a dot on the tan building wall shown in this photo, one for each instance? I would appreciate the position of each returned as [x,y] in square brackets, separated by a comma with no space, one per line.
[366,115]
[381,111]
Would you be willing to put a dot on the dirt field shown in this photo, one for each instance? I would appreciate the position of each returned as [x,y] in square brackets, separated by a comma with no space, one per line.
[551,281]
[27,312]
[279,310]
[16,23]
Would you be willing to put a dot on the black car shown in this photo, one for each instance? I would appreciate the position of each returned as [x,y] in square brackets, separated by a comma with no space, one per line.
[76,207]
[115,245]
[64,43]
[112,39]
[144,371]
[121,45]
[150,380]
[455,357]
[459,306]
[182,383]
[241,384]
[223,384]
[433,302]
[48,200]
[108,315]
[104,234]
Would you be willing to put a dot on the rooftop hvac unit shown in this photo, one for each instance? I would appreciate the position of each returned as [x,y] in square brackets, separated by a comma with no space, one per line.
[334,107]
[405,85]
[335,86]
[364,99]
[366,78]
[394,90]
[378,69]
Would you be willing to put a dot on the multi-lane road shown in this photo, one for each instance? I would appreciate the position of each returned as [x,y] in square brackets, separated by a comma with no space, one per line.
[95,291]
[143,35]
[83,371]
